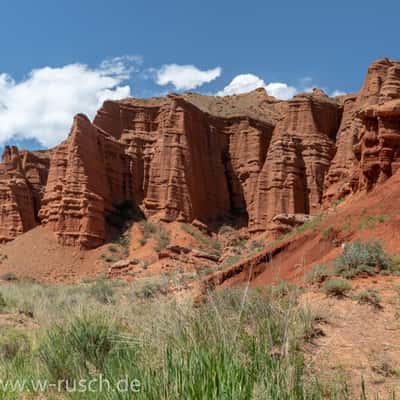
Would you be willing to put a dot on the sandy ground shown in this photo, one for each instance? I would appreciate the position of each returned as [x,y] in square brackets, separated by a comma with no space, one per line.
[359,341]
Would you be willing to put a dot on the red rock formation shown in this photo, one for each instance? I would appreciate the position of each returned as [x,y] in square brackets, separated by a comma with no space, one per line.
[199,158]
[299,156]
[78,194]
[22,176]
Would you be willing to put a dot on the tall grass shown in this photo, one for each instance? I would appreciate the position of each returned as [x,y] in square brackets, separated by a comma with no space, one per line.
[232,347]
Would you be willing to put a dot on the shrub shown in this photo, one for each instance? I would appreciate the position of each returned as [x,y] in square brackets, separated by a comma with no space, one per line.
[369,296]
[362,258]
[103,291]
[318,274]
[12,343]
[337,287]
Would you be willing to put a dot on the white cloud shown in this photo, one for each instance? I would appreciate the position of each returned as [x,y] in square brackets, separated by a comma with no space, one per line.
[185,77]
[338,93]
[42,105]
[247,82]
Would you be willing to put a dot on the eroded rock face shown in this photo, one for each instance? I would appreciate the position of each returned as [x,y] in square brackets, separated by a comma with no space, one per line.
[291,180]
[198,158]
[22,178]
[368,140]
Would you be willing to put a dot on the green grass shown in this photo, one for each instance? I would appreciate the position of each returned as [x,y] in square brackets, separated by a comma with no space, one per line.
[238,345]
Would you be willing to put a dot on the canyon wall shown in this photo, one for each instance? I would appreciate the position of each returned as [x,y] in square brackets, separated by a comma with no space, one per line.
[23,176]
[194,157]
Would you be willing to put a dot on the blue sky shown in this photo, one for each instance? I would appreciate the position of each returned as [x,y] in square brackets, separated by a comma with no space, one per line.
[155,47]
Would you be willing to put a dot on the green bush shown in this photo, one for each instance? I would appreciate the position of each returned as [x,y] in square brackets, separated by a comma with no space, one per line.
[318,274]
[362,258]
[369,296]
[337,287]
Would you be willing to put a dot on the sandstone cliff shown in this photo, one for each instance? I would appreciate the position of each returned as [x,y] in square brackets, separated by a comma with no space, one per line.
[194,157]
[22,179]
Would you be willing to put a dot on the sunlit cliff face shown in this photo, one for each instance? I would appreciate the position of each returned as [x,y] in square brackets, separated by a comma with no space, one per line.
[379,148]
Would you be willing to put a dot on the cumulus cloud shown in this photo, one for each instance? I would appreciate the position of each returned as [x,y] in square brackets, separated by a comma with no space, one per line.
[247,82]
[42,105]
[185,77]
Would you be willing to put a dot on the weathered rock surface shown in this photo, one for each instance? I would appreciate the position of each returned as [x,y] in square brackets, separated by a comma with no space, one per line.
[284,223]
[196,158]
[22,178]
[291,180]
[369,137]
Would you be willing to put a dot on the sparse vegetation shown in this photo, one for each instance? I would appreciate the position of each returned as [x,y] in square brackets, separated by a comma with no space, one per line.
[362,258]
[255,246]
[369,296]
[318,274]
[314,222]
[234,347]
[157,232]
[370,221]
[206,242]
[337,287]
[336,202]
[229,261]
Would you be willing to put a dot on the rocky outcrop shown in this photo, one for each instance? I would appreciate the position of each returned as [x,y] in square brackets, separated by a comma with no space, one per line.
[22,178]
[199,159]
[86,177]
[368,140]
[284,223]
[291,180]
